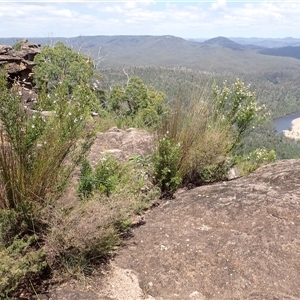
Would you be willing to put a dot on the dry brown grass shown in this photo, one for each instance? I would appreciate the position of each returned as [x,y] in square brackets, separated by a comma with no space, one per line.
[86,234]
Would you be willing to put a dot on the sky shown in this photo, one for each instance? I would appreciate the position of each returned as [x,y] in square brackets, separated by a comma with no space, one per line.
[187,19]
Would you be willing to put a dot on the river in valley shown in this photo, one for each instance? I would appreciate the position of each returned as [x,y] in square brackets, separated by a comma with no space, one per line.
[285,122]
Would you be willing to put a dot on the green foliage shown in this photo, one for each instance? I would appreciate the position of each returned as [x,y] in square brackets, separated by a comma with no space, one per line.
[110,176]
[34,147]
[256,159]
[166,165]
[13,224]
[141,161]
[88,233]
[9,226]
[87,180]
[91,230]
[104,179]
[265,136]
[280,99]
[107,175]
[17,46]
[136,104]
[39,150]
[61,64]
[20,263]
[237,107]
[38,153]
[208,132]
[208,160]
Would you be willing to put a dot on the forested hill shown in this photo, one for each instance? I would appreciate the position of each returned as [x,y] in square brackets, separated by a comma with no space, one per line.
[167,49]
[288,51]
[275,77]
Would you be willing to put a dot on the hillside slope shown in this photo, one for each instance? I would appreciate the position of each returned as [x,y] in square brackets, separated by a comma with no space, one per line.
[218,54]
[288,51]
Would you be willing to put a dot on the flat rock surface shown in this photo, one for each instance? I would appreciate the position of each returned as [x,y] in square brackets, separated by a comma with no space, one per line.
[231,240]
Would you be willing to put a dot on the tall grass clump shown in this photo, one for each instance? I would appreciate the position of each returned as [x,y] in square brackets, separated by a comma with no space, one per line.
[204,133]
[38,152]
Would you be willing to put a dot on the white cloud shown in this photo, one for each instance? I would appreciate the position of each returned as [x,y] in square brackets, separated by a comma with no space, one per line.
[220,4]
[186,19]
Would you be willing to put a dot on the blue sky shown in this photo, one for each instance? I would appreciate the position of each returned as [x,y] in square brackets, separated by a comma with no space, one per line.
[187,19]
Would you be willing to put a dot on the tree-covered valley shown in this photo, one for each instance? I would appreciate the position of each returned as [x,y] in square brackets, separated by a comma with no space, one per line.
[180,69]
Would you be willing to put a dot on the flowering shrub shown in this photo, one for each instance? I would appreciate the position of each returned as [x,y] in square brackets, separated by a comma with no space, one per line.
[209,133]
[236,106]
[258,158]
[61,65]
[38,151]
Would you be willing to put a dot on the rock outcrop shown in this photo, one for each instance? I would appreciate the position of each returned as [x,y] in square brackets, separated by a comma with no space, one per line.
[18,62]
[238,239]
[231,240]
[121,144]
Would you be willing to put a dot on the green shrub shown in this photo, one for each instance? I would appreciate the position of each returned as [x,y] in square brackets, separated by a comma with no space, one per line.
[209,130]
[19,264]
[256,159]
[107,175]
[111,176]
[104,179]
[136,105]
[17,46]
[166,165]
[37,152]
[87,181]
[61,64]
[10,226]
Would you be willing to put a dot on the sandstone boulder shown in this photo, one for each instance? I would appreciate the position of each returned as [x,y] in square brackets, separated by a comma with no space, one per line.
[18,63]
[121,144]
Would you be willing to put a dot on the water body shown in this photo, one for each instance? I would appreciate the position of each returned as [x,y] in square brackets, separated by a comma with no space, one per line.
[285,122]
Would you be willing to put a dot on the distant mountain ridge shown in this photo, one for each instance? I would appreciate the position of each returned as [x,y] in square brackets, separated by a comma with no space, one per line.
[228,43]
[224,42]
[261,42]
[167,50]
[288,51]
